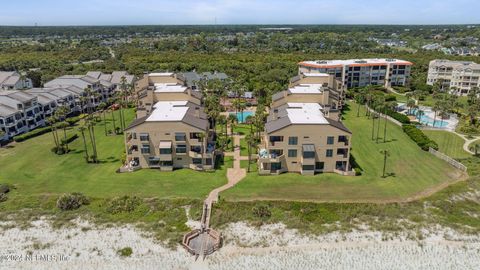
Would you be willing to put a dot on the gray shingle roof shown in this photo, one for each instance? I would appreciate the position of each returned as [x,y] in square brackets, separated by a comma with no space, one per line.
[7,110]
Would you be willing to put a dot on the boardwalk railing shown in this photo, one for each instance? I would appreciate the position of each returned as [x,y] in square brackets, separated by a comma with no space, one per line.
[448,159]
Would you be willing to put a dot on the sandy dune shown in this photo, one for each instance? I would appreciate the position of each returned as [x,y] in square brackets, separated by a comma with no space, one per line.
[267,247]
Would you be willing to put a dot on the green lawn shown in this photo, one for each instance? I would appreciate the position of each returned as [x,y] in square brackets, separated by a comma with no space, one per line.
[34,170]
[414,171]
[448,143]
[242,129]
[244,148]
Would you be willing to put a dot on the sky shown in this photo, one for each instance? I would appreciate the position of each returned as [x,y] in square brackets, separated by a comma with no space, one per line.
[142,12]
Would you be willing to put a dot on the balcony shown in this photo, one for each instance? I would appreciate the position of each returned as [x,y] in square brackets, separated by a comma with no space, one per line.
[271,158]
[308,160]
[267,170]
[166,157]
[193,154]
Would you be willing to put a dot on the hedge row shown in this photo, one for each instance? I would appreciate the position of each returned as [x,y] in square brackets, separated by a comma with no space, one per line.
[399,117]
[40,131]
[31,134]
[419,137]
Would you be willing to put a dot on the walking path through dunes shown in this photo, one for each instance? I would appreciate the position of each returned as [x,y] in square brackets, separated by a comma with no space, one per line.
[412,171]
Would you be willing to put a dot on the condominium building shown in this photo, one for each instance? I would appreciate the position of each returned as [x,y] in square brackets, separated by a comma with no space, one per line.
[302,136]
[115,79]
[167,86]
[362,72]
[11,80]
[327,90]
[20,112]
[458,76]
[171,130]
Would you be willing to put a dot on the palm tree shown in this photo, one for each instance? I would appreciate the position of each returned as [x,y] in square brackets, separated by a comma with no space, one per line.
[91,131]
[472,94]
[82,131]
[410,104]
[251,141]
[112,110]
[386,154]
[232,119]
[61,114]
[52,121]
[436,107]
[102,107]
[359,99]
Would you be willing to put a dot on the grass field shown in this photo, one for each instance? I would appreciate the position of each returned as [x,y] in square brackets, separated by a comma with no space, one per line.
[448,143]
[35,170]
[412,169]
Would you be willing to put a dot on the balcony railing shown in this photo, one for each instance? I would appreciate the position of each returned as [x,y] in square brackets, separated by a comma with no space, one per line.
[271,158]
[193,154]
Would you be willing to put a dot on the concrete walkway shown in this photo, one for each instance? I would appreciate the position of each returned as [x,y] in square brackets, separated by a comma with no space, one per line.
[234,175]
[466,145]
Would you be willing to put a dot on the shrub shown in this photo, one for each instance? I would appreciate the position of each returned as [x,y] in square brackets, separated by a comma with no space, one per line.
[72,120]
[72,201]
[58,150]
[32,134]
[123,204]
[398,116]
[261,211]
[125,252]
[4,188]
[419,137]
[390,97]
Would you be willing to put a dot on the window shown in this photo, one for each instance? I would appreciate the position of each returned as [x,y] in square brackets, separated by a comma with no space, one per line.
[196,149]
[292,152]
[166,163]
[342,139]
[165,151]
[329,153]
[276,138]
[330,140]
[145,149]
[195,135]
[180,137]
[181,149]
[153,161]
[319,166]
[208,161]
[144,137]
[308,154]
[292,140]
[134,135]
[276,166]
[197,161]
[308,167]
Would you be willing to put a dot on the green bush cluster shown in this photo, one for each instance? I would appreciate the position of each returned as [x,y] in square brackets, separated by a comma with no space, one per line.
[4,189]
[72,120]
[399,117]
[419,137]
[123,204]
[125,252]
[32,134]
[262,211]
[68,202]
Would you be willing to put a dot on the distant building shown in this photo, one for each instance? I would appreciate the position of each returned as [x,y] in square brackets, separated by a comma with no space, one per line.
[192,78]
[458,76]
[362,72]
[432,47]
[115,78]
[11,80]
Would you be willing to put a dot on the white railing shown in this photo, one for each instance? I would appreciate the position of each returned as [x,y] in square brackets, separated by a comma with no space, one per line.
[448,159]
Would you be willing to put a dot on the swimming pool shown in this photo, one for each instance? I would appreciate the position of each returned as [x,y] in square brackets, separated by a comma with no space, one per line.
[439,123]
[242,116]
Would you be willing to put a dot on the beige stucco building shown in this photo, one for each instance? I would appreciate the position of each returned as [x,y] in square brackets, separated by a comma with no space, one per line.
[171,130]
[303,132]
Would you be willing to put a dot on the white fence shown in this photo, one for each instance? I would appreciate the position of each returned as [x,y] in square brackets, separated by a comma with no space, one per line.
[448,159]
